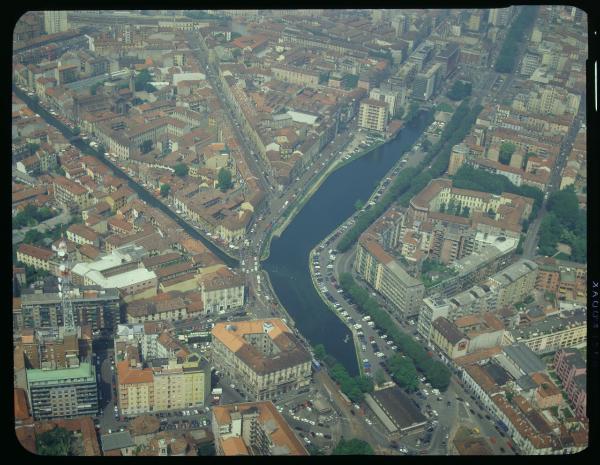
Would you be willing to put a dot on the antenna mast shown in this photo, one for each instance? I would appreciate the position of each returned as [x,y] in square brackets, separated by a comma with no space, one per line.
[64,291]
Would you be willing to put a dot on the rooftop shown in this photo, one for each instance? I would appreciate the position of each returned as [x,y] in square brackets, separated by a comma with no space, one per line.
[84,371]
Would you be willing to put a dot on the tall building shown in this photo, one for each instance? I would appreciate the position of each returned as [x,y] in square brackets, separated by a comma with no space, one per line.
[515,282]
[64,393]
[253,428]
[91,306]
[373,115]
[425,83]
[394,99]
[457,158]
[55,21]
[385,274]
[263,358]
[50,348]
[162,384]
[432,309]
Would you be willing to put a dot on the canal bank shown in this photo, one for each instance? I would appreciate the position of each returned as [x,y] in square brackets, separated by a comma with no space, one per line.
[140,190]
[294,209]
[332,203]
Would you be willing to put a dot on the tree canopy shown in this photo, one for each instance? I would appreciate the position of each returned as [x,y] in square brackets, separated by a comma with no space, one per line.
[54,442]
[224,179]
[565,222]
[353,446]
[164,190]
[507,58]
[437,373]
[460,90]
[506,152]
[181,170]
[142,81]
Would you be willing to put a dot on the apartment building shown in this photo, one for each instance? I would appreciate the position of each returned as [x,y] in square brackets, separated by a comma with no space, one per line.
[180,385]
[386,275]
[262,358]
[253,428]
[135,387]
[164,306]
[457,158]
[92,306]
[70,194]
[296,75]
[432,308]
[50,349]
[572,371]
[222,291]
[373,115]
[514,282]
[81,234]
[55,22]
[554,332]
[36,257]
[63,393]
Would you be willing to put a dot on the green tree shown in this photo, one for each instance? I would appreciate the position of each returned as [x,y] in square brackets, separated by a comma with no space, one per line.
[426,145]
[359,204]
[142,80]
[465,211]
[506,152]
[76,130]
[224,179]
[353,446]
[181,170]
[404,372]
[164,190]
[54,442]
[319,351]
[460,90]
[379,376]
[207,449]
[442,207]
[146,146]
[33,147]
[314,450]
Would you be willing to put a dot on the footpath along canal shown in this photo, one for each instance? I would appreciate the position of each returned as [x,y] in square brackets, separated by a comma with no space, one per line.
[327,209]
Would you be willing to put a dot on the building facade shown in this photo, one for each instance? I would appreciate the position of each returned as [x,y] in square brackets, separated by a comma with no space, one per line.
[63,393]
[262,358]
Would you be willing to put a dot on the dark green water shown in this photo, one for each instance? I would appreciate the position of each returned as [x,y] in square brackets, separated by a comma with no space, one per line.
[329,207]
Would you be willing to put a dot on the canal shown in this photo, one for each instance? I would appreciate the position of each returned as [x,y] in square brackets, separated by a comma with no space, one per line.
[332,204]
[142,193]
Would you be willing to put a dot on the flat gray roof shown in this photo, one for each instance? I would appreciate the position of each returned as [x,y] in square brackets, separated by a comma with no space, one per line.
[116,440]
[525,358]
[398,407]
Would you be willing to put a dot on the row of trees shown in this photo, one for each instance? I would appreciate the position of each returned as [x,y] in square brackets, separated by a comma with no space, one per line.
[565,222]
[353,387]
[31,216]
[436,372]
[507,58]
[408,183]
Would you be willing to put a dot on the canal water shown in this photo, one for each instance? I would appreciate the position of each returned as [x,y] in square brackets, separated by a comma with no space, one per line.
[328,208]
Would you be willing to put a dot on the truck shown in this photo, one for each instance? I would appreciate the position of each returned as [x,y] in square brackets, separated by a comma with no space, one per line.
[217,391]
